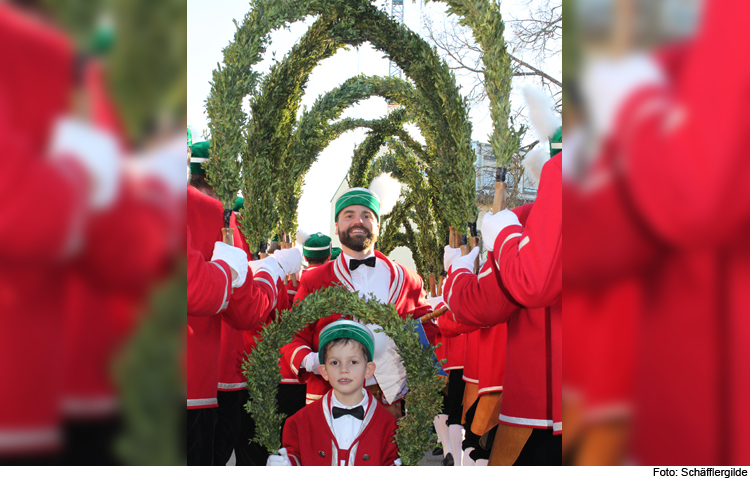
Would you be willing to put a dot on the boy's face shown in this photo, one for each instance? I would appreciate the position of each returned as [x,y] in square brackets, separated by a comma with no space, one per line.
[346,368]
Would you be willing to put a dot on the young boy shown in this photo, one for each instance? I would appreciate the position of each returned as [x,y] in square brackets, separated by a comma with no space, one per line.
[347,426]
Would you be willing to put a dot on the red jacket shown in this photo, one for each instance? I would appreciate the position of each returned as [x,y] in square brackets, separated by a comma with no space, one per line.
[247,306]
[406,294]
[531,387]
[687,247]
[485,356]
[209,283]
[35,90]
[309,439]
[454,342]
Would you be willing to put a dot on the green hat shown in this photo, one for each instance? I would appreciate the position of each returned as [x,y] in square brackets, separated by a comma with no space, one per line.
[238,203]
[360,196]
[317,246]
[103,37]
[199,152]
[343,328]
[555,142]
[335,253]
[190,137]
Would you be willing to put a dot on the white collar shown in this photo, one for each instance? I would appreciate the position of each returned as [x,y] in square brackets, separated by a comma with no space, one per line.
[336,403]
[347,258]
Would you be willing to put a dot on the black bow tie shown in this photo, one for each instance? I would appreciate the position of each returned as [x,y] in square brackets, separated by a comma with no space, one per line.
[355,263]
[357,412]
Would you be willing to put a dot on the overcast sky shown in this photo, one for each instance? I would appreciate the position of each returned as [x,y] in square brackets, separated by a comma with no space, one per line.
[210,29]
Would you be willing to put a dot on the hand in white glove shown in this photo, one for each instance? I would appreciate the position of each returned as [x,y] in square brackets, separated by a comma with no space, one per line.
[608,83]
[449,256]
[290,260]
[397,462]
[493,224]
[280,460]
[237,260]
[467,261]
[97,151]
[435,301]
[311,362]
[270,265]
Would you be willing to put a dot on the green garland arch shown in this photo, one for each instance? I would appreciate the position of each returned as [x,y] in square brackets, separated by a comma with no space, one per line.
[446,121]
[263,375]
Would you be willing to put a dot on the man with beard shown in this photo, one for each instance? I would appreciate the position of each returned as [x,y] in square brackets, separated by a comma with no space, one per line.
[360,268]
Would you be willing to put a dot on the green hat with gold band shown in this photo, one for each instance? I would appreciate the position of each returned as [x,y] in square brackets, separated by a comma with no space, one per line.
[199,152]
[335,253]
[238,204]
[317,246]
[343,328]
[358,196]
[555,142]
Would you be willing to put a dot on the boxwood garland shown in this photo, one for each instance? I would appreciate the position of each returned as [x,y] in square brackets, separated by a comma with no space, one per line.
[444,122]
[261,369]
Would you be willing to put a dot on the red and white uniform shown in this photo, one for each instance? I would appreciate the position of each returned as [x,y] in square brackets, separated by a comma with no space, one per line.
[310,441]
[531,393]
[289,374]
[235,343]
[485,355]
[36,89]
[209,283]
[248,305]
[689,248]
[454,343]
[405,291]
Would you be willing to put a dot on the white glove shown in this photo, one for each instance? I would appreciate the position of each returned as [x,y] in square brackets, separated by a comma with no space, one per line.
[269,265]
[435,301]
[467,261]
[311,362]
[280,460]
[397,462]
[607,84]
[236,258]
[97,151]
[290,260]
[493,224]
[449,256]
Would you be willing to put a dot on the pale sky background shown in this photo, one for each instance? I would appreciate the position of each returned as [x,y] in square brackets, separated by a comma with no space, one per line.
[210,29]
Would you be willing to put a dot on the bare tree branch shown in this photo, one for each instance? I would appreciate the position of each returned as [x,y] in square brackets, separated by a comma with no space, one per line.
[535,71]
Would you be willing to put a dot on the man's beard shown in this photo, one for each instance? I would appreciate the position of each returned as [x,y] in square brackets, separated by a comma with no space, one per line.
[358,244]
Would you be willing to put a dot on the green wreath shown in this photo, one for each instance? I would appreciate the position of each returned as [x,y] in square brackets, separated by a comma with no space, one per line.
[261,369]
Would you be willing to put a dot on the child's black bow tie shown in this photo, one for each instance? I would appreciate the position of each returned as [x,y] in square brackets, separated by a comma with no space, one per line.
[357,412]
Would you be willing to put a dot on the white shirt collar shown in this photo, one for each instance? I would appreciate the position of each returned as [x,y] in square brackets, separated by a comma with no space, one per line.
[347,258]
[336,403]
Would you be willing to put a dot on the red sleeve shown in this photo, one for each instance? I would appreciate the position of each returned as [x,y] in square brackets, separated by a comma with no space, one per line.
[421,306]
[390,450]
[35,89]
[208,283]
[254,301]
[450,328]
[606,241]
[530,259]
[686,148]
[290,440]
[301,345]
[127,246]
[475,300]
[28,235]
